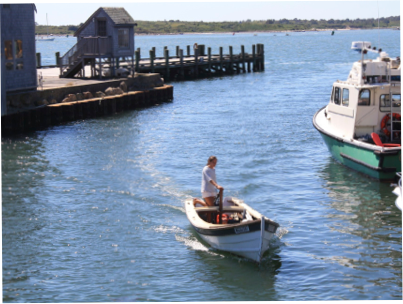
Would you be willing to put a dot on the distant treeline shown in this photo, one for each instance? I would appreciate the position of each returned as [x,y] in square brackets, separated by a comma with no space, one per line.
[177,26]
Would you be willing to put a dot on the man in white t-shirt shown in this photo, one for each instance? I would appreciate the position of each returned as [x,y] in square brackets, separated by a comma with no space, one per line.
[209,183]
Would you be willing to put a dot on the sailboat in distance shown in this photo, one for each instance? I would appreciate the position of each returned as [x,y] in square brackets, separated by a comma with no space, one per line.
[47,38]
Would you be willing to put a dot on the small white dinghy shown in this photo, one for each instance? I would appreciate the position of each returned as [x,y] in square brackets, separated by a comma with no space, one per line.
[243,231]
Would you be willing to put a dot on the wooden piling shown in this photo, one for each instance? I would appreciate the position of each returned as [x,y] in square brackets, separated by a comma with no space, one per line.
[201,48]
[243,58]
[152,54]
[221,59]
[196,71]
[262,56]
[182,70]
[166,53]
[231,60]
[254,58]
[209,59]
[137,69]
[57,54]
[38,60]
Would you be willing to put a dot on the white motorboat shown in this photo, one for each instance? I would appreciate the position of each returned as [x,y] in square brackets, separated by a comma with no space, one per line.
[361,125]
[44,38]
[398,192]
[243,231]
[360,45]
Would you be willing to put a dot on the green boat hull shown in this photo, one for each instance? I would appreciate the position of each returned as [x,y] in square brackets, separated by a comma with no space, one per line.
[377,164]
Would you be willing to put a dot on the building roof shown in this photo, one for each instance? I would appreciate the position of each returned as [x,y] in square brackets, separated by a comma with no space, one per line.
[118,15]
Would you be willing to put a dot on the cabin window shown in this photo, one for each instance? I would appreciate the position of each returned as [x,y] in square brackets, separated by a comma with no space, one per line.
[123,38]
[364,98]
[384,104]
[346,94]
[102,28]
[336,98]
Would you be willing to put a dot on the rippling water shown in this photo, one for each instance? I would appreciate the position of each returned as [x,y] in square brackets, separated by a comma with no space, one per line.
[93,210]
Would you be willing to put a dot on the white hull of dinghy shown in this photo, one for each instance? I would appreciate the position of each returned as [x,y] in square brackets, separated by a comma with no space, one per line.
[249,239]
[248,245]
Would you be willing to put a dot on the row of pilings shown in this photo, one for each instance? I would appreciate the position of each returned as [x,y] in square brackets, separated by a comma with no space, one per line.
[50,115]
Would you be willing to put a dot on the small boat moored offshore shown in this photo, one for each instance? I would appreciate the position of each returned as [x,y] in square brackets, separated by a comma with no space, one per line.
[361,124]
[360,45]
[243,231]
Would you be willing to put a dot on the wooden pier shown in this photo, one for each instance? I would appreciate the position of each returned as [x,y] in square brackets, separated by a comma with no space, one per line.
[198,62]
[201,63]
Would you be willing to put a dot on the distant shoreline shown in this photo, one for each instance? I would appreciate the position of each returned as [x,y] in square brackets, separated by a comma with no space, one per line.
[256,32]
[231,33]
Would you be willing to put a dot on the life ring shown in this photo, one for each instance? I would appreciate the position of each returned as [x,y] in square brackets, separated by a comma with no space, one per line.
[385,120]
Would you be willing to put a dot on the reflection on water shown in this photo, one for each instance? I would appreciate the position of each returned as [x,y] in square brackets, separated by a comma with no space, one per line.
[366,225]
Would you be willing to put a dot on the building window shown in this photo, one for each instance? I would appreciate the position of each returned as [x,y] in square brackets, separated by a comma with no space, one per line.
[8,49]
[384,104]
[336,98]
[123,38]
[20,65]
[346,94]
[13,54]
[18,48]
[364,98]
[9,65]
[102,28]
[6,5]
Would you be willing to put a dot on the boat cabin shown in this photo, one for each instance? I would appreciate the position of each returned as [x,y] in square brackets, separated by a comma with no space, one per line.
[362,104]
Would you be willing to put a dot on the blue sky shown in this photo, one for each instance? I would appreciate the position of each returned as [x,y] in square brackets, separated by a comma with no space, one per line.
[188,10]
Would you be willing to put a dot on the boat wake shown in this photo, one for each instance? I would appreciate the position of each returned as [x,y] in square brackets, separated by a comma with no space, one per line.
[192,243]
[181,209]
[281,231]
[165,229]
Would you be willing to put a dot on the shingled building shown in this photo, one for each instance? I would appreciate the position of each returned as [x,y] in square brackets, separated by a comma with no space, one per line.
[104,38]
[18,61]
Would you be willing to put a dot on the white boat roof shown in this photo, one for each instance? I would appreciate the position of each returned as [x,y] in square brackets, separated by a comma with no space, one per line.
[382,66]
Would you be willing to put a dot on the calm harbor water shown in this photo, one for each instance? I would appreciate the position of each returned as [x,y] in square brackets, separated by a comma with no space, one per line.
[93,210]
